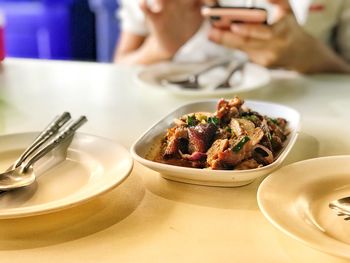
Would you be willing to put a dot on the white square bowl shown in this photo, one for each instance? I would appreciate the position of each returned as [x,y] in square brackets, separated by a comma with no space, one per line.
[145,148]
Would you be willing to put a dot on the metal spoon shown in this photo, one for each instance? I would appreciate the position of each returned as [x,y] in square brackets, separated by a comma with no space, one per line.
[53,127]
[24,174]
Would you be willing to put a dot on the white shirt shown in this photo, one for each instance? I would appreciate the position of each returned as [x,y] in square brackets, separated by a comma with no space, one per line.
[328,20]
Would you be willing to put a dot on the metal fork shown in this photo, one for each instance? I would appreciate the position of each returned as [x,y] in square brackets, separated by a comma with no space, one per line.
[191,81]
[232,69]
[341,207]
[43,137]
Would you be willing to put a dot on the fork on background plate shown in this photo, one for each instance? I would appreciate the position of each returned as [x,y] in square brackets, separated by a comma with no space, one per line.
[191,81]
[341,207]
[234,67]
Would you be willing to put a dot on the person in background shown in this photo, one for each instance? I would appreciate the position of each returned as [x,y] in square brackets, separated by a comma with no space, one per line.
[174,30]
[307,36]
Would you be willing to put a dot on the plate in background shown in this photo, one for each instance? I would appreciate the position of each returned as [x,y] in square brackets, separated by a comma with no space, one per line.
[253,77]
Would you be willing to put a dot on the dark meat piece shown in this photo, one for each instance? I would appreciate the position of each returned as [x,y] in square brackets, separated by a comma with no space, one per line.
[196,156]
[282,123]
[262,155]
[265,141]
[201,137]
[278,127]
[177,139]
[276,143]
[277,131]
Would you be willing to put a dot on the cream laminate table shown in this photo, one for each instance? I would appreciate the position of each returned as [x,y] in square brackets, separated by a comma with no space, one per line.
[147,218]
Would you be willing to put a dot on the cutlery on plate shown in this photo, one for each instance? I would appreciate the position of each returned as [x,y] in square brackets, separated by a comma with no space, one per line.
[232,69]
[341,207]
[24,175]
[56,124]
[191,81]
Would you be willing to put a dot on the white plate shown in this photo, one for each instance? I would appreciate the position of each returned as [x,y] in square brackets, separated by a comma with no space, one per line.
[150,140]
[295,200]
[93,166]
[254,77]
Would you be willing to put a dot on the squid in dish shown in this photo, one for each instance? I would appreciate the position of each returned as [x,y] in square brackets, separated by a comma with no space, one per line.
[232,138]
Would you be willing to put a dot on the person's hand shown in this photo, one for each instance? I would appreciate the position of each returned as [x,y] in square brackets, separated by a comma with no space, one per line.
[172,23]
[268,45]
[283,44]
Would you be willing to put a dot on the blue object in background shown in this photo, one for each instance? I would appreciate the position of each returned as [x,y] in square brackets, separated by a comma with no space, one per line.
[36,30]
[107,28]
[49,29]
[83,42]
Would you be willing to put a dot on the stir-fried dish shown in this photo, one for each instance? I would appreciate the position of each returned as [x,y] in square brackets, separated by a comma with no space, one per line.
[234,137]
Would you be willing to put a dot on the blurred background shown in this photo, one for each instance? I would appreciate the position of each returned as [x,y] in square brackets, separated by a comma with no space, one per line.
[84,30]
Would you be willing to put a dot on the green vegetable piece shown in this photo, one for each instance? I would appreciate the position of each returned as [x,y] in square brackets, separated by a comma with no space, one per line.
[191,120]
[214,120]
[274,121]
[251,118]
[268,134]
[240,145]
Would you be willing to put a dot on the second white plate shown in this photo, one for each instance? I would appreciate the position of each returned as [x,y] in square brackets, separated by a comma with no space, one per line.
[93,166]
[254,77]
[295,200]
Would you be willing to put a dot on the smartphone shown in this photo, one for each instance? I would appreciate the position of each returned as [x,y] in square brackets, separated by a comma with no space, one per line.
[223,17]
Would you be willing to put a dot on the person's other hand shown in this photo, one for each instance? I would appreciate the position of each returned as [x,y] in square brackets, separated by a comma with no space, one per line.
[172,23]
[283,44]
